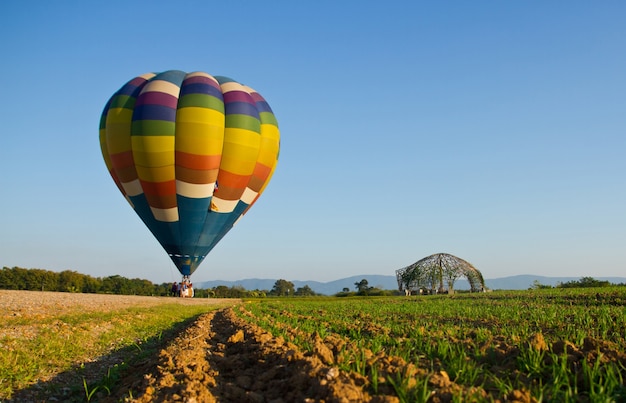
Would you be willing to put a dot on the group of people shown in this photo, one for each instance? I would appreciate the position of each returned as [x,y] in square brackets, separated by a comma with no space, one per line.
[184,289]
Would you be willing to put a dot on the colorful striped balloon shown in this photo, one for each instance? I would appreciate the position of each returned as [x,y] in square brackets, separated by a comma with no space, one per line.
[191,153]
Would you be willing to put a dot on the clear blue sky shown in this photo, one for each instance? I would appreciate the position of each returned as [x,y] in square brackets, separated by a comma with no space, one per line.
[491,130]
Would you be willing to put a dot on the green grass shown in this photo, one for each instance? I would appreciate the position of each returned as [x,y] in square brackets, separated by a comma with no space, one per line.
[486,341]
[69,342]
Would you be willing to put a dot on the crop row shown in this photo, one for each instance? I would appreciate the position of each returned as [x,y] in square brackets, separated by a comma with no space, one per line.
[547,345]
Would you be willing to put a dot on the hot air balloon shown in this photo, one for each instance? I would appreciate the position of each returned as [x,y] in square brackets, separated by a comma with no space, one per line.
[191,153]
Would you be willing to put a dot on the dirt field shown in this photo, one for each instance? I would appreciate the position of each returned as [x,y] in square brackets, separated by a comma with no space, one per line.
[34,303]
[218,358]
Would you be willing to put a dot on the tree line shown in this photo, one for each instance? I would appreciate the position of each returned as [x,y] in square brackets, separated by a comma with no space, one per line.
[583,282]
[17,278]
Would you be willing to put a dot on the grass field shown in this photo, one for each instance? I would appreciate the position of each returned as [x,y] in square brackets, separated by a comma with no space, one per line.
[543,345]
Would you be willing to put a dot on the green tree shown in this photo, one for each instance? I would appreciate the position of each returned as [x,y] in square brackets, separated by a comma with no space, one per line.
[41,280]
[115,285]
[14,278]
[304,291]
[538,286]
[257,293]
[362,286]
[237,291]
[282,288]
[584,282]
[71,281]
[220,291]
[49,281]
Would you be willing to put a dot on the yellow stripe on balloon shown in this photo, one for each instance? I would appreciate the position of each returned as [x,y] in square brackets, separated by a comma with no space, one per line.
[241,149]
[162,174]
[153,144]
[105,149]
[200,115]
[197,136]
[118,126]
[242,137]
[153,159]
[268,151]
[235,165]
[199,139]
[119,115]
[270,132]
[151,165]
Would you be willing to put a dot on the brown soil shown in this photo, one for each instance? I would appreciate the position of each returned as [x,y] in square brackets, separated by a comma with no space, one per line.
[221,358]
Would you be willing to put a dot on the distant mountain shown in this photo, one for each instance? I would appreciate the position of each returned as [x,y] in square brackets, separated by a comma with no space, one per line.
[520,282]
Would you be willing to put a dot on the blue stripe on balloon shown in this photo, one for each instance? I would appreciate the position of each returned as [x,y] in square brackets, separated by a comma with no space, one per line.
[192,214]
[200,88]
[129,89]
[241,108]
[154,112]
[263,106]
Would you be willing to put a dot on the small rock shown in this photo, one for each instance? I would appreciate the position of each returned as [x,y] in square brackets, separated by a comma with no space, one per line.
[332,373]
[237,337]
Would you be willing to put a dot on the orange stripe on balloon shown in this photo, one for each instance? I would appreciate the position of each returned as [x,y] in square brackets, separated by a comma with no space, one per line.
[256,183]
[200,177]
[161,201]
[159,188]
[259,177]
[160,194]
[126,174]
[228,192]
[200,162]
[122,160]
[231,186]
[232,180]
[262,171]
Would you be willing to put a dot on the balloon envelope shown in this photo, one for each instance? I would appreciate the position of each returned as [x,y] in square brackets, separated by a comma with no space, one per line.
[191,153]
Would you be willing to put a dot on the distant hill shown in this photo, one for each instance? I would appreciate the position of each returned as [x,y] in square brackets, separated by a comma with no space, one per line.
[520,282]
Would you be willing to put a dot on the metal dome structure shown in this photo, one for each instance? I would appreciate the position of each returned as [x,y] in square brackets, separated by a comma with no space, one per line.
[431,273]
